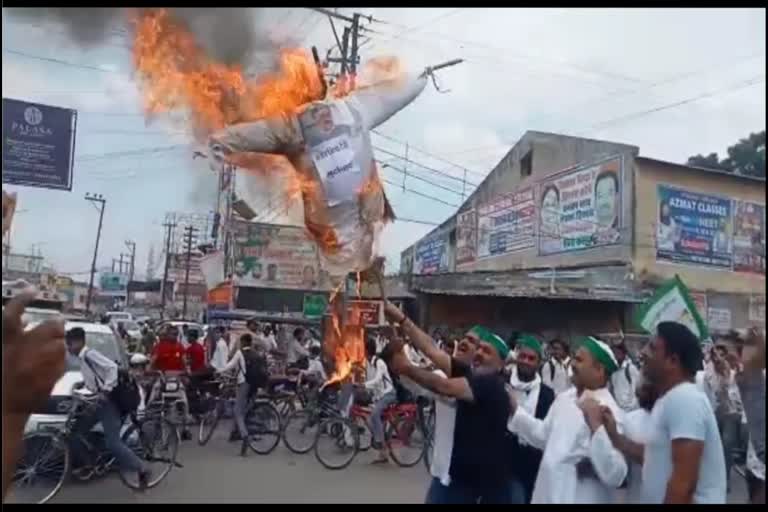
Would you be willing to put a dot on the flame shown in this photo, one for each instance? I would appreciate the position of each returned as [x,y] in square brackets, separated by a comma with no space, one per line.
[345,344]
[175,73]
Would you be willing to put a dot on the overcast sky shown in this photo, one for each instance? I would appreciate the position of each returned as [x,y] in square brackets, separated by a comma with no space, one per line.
[582,72]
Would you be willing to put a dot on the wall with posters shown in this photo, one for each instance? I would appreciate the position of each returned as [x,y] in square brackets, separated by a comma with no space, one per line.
[275,256]
[466,237]
[701,226]
[506,224]
[581,208]
[694,228]
[748,237]
[431,255]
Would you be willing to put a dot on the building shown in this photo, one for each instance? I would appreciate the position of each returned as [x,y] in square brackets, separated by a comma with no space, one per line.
[567,235]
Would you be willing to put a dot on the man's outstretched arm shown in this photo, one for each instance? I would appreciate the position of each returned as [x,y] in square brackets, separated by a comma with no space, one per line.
[419,339]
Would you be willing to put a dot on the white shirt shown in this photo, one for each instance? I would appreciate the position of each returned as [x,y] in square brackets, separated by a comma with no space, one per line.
[561,380]
[220,354]
[316,369]
[683,412]
[99,372]
[295,350]
[623,388]
[377,377]
[637,426]
[237,361]
[565,439]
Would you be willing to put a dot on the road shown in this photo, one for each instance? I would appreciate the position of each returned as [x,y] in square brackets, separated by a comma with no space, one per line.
[217,474]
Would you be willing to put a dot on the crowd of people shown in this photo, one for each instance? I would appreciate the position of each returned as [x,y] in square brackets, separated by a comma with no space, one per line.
[516,421]
[516,426]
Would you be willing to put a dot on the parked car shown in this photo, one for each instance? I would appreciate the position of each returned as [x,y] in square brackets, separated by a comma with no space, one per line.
[118,315]
[98,337]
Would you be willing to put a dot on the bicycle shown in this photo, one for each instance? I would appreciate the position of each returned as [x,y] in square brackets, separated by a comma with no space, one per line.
[215,408]
[49,458]
[403,435]
[300,427]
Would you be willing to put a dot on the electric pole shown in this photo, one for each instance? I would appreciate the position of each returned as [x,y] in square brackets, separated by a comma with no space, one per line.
[131,245]
[188,241]
[100,203]
[169,226]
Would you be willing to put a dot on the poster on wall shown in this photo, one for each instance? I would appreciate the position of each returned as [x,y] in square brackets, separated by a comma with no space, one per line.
[466,232]
[700,301]
[431,255]
[38,144]
[757,309]
[506,224]
[275,256]
[748,237]
[581,208]
[719,319]
[693,228]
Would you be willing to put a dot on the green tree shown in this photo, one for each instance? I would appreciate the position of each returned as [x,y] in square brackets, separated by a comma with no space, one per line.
[746,157]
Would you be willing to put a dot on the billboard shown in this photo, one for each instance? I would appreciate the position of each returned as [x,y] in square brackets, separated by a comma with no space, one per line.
[581,208]
[431,255]
[113,284]
[693,228]
[268,255]
[38,144]
[506,224]
[466,231]
[748,237]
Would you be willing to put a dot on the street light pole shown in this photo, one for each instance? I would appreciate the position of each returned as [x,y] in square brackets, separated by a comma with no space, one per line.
[102,203]
[130,244]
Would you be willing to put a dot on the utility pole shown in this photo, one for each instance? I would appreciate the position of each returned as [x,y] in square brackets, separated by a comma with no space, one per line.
[188,239]
[95,199]
[169,226]
[130,244]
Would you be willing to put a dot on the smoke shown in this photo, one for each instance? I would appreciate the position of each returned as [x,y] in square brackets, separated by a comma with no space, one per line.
[231,35]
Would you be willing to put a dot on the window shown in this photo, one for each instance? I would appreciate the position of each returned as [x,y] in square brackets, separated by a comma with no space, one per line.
[526,164]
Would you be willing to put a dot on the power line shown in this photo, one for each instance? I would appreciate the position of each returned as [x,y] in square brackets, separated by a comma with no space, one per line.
[59,61]
[416,28]
[430,169]
[419,178]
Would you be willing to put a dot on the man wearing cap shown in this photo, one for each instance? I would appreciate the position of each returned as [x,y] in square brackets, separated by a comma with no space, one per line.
[536,398]
[579,463]
[478,470]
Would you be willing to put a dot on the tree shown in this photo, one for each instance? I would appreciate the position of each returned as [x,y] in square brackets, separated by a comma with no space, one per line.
[746,157]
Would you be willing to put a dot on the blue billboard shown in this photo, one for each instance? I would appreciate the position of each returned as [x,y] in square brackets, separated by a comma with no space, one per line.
[694,228]
[38,144]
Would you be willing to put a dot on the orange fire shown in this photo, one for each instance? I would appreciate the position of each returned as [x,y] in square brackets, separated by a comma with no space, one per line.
[176,74]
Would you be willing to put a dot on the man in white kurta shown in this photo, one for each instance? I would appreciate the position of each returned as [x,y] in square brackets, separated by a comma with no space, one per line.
[568,442]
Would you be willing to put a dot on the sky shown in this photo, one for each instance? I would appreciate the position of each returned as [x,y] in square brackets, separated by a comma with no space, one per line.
[674,82]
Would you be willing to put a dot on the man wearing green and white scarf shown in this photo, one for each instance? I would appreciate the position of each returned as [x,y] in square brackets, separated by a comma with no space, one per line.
[579,463]
[479,469]
[536,398]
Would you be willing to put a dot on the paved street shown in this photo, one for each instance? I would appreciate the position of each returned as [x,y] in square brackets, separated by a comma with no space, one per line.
[216,473]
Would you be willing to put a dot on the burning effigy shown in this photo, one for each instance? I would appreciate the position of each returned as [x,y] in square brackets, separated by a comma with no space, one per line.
[320,134]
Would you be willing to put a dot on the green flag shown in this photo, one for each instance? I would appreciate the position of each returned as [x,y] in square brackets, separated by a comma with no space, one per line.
[672,302]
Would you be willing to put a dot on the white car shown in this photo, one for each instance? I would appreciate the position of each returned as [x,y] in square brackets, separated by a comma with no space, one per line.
[98,337]
[114,316]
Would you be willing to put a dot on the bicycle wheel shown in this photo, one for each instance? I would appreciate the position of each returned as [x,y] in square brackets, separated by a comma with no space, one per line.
[264,427]
[300,431]
[364,433]
[208,423]
[156,442]
[405,440]
[337,443]
[42,469]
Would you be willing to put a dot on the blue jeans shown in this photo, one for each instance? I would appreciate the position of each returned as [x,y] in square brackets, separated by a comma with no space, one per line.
[107,414]
[377,425]
[464,495]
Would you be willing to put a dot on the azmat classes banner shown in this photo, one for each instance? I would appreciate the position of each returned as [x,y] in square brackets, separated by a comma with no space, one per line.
[581,208]
[693,228]
[506,224]
[38,144]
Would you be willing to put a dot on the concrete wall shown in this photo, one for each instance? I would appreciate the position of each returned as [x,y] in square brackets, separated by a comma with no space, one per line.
[648,175]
